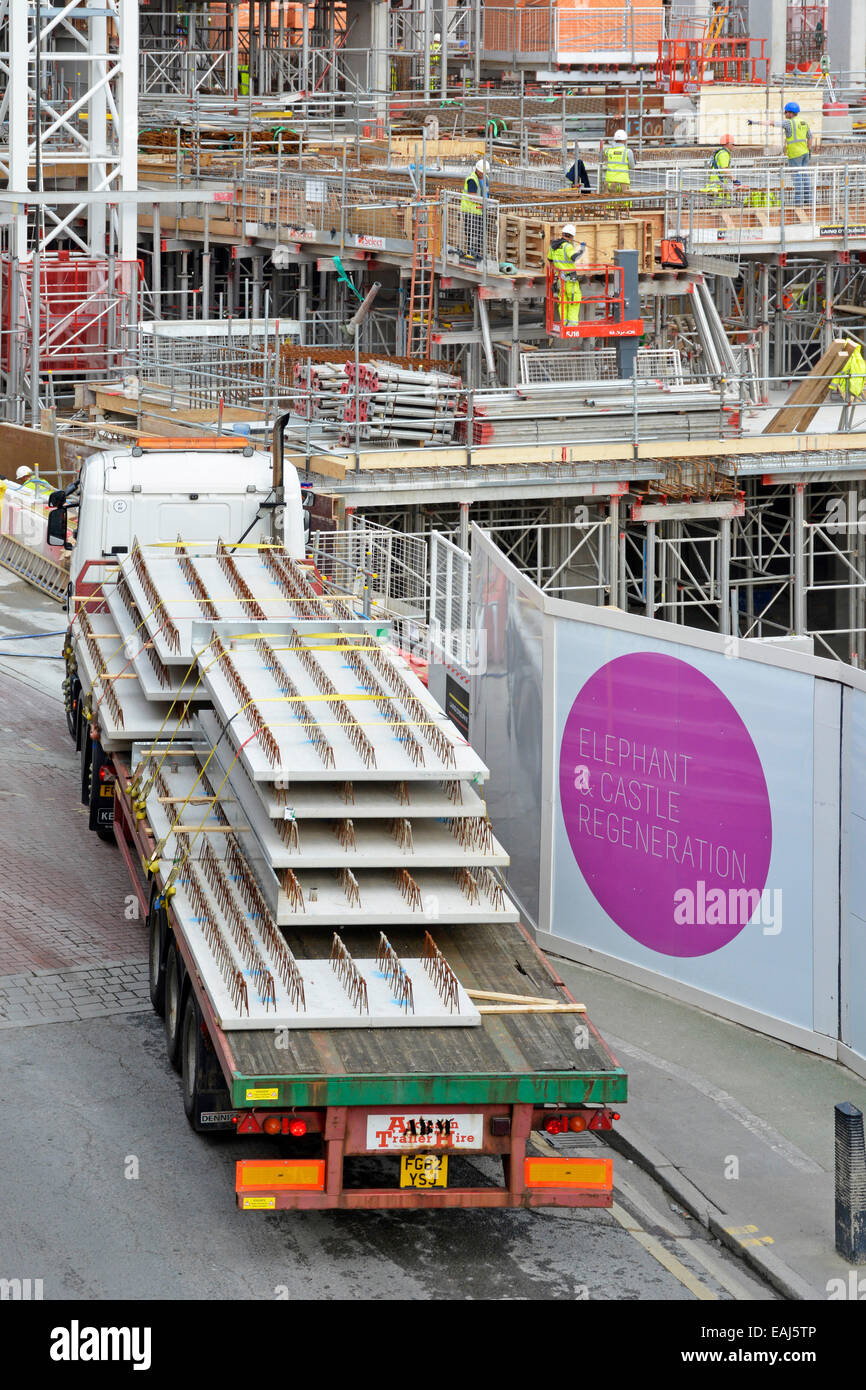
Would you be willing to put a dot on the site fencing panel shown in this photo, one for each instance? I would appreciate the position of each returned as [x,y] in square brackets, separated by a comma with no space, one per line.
[703,817]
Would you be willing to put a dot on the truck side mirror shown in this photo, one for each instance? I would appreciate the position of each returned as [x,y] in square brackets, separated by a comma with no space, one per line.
[57,526]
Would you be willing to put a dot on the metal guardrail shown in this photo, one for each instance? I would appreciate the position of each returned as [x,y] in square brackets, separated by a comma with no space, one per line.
[814,202]
[383,569]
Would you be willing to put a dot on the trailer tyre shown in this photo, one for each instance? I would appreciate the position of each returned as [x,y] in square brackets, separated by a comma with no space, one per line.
[173,1006]
[206,1099]
[190,1054]
[156,970]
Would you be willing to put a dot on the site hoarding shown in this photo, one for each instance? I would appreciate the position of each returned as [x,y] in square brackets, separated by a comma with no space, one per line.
[853,963]
[683,824]
[701,806]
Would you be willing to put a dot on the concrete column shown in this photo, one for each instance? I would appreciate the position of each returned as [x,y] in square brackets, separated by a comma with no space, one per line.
[768,19]
[846,39]
[369,38]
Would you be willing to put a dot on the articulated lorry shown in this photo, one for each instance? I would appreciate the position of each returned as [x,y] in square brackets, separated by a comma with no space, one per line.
[342,975]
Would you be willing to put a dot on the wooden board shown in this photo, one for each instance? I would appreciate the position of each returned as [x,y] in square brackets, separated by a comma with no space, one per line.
[802,404]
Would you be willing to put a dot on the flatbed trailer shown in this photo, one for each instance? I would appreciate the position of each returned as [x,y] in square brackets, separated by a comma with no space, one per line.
[294,812]
[362,1092]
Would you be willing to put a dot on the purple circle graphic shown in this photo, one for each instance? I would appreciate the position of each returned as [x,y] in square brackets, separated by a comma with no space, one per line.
[665,804]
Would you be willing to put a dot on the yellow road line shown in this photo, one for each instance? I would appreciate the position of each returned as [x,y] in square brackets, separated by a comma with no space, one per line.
[664,1257]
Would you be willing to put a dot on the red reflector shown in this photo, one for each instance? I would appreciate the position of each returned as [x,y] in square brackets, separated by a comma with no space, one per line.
[554,1126]
[298,1128]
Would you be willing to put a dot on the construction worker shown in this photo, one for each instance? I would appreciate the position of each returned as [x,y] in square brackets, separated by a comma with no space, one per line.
[720,180]
[244,80]
[576,177]
[30,481]
[435,60]
[617,163]
[563,256]
[798,148]
[475,188]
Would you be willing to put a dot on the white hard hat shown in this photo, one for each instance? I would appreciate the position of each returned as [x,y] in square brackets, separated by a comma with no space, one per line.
[23,472]
[569,229]
[620,135]
[436,38]
[482,166]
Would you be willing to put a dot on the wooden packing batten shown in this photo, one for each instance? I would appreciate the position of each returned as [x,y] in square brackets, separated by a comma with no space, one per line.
[801,407]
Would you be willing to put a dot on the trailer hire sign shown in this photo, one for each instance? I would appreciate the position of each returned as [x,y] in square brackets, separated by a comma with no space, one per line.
[405,1131]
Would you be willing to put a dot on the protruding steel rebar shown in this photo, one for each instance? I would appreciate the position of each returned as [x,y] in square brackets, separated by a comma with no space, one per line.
[392,968]
[440,973]
[349,975]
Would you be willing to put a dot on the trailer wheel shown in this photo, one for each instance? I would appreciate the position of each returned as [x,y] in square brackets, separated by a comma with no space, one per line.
[206,1099]
[173,1004]
[156,969]
[190,1052]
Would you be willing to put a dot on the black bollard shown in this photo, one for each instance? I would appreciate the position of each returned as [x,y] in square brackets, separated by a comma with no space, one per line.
[850,1184]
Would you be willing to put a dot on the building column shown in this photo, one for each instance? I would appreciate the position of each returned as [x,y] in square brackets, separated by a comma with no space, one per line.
[846,39]
[768,19]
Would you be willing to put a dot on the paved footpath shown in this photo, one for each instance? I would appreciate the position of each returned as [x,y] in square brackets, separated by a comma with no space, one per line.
[72,944]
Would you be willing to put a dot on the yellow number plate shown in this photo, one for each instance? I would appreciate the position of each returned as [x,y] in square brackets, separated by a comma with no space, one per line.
[424,1170]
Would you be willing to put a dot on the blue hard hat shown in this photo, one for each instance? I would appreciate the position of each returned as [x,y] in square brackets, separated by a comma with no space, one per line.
[793,108]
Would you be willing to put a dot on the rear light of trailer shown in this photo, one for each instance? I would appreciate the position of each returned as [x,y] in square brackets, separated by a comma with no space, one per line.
[297,1128]
[576,1121]
[272,1125]
[591,1174]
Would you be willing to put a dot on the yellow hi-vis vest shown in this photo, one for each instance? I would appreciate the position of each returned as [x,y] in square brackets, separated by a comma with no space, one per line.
[616,168]
[564,258]
[471,200]
[798,142]
[721,159]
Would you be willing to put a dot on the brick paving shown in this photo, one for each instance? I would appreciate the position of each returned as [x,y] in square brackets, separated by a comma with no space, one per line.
[62,996]
[71,942]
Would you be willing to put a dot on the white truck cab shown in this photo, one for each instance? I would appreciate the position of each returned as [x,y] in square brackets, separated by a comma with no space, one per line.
[168,489]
